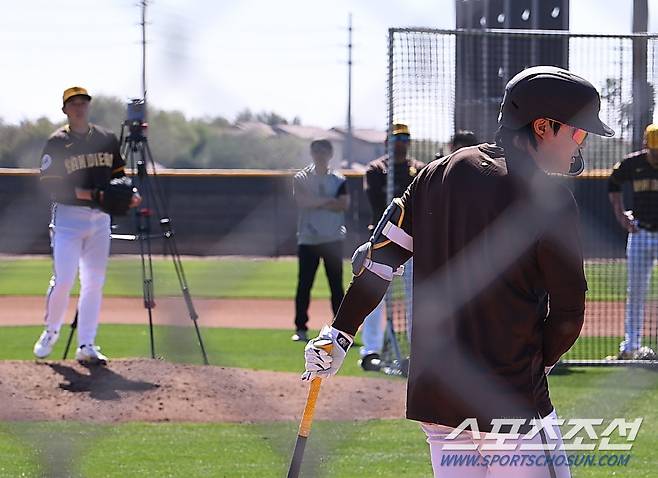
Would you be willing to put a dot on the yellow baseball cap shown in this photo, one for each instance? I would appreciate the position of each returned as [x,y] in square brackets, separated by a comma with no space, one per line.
[399,128]
[651,136]
[74,91]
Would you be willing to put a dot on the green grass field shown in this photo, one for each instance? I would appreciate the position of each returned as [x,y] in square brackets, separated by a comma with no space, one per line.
[245,278]
[383,448]
[390,448]
[215,278]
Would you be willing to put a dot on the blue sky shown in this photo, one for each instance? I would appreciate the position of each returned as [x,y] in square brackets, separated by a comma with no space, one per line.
[209,58]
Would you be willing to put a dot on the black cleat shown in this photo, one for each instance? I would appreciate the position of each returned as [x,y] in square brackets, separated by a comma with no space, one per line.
[300,336]
[371,363]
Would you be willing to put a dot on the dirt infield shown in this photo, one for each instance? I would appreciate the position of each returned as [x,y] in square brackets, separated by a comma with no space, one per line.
[601,318]
[153,390]
[243,313]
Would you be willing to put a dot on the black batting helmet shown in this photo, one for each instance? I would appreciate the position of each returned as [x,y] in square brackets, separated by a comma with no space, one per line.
[555,93]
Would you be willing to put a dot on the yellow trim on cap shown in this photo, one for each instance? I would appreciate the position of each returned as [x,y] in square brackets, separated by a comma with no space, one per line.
[651,136]
[74,91]
[400,128]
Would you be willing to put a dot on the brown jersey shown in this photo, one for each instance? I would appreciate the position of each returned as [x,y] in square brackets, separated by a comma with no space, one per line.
[643,178]
[495,241]
[71,161]
[375,183]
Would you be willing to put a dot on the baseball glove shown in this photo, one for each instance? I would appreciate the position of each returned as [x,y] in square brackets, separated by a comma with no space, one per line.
[116,196]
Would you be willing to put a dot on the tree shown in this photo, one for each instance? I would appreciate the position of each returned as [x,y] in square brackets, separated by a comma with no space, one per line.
[244,116]
[271,118]
[612,92]
[175,141]
[108,112]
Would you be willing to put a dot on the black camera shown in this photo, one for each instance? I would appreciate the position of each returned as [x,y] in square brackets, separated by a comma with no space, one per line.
[136,111]
[136,117]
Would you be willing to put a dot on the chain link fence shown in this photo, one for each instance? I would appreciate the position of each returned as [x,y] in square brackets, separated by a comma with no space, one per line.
[444,81]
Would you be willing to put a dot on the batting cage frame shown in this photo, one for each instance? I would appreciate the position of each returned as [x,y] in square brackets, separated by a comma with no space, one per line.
[444,81]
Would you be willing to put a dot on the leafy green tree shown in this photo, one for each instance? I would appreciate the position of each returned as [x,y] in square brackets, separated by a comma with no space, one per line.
[175,141]
[244,116]
[271,118]
[108,112]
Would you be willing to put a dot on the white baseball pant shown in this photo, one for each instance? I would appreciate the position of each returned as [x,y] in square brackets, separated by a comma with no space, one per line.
[80,236]
[483,463]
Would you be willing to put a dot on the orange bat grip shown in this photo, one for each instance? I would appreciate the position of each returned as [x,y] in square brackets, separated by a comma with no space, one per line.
[309,409]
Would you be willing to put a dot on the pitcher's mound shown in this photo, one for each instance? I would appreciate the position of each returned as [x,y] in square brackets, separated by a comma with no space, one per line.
[154,390]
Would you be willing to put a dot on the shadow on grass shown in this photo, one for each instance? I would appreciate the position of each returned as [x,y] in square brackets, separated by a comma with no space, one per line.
[101,383]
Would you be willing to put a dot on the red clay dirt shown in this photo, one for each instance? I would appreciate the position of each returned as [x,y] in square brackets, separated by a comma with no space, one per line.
[152,390]
[158,391]
[242,313]
[601,318]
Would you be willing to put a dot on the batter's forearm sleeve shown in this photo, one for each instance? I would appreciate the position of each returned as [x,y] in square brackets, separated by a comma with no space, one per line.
[363,295]
[367,290]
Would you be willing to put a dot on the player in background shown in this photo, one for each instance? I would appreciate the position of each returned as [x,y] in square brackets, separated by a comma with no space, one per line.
[374,327]
[77,163]
[462,139]
[495,237]
[375,184]
[322,197]
[640,169]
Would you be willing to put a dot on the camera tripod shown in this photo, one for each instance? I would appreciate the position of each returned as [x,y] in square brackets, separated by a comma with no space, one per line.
[135,149]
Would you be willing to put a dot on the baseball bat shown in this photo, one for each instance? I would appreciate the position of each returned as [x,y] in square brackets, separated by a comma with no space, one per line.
[307,417]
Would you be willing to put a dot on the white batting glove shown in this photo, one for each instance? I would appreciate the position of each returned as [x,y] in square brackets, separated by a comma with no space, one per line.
[319,362]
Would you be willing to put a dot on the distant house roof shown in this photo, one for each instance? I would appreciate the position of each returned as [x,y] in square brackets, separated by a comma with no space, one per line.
[256,127]
[371,136]
[365,135]
[307,132]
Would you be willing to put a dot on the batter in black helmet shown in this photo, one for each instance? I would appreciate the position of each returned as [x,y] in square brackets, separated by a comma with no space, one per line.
[494,238]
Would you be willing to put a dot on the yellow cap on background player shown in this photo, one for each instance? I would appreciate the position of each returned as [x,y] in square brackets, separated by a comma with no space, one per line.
[399,128]
[651,136]
[74,91]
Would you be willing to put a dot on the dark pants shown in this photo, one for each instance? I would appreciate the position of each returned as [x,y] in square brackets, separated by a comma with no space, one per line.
[309,259]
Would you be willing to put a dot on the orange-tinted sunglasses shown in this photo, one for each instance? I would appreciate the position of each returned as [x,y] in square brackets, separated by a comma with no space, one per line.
[579,135]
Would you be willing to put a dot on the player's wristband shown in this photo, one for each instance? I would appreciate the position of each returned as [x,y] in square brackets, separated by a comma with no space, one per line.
[343,339]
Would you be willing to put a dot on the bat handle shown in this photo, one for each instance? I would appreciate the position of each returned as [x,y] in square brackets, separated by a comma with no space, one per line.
[309,410]
[307,417]
[314,390]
